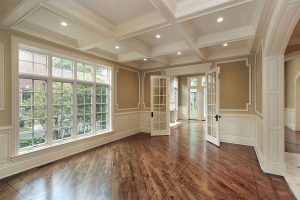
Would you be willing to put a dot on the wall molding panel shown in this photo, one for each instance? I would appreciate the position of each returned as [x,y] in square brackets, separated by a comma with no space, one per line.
[116,90]
[1,76]
[290,118]
[237,129]
[247,104]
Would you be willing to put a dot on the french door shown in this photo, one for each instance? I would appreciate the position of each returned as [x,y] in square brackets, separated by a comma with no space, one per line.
[212,106]
[160,105]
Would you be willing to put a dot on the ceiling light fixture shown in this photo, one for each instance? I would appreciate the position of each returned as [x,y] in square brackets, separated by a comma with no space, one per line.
[179,53]
[145,59]
[220,19]
[117,47]
[157,36]
[63,23]
[225,44]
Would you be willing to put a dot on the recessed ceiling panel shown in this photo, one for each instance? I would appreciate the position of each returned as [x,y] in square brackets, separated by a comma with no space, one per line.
[167,35]
[114,47]
[234,17]
[237,45]
[119,11]
[51,21]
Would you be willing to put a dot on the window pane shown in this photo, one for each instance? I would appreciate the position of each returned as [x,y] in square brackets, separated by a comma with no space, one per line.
[33,112]
[101,108]
[102,75]
[62,110]
[84,72]
[62,67]
[32,63]
[84,109]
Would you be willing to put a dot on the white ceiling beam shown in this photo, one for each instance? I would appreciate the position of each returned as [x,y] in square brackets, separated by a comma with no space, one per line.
[226,36]
[166,8]
[14,11]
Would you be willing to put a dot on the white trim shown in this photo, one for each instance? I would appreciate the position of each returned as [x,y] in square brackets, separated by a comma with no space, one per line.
[143,86]
[250,84]
[2,97]
[188,69]
[116,89]
[260,48]
[291,55]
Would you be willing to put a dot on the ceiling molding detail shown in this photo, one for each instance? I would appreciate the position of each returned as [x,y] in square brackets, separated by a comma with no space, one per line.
[185,26]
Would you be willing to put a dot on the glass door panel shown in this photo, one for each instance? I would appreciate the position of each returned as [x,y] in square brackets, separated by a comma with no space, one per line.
[160,114]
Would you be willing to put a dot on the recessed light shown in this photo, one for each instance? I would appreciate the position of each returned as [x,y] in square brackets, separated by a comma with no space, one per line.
[117,47]
[145,59]
[179,53]
[220,19]
[225,44]
[157,36]
[63,23]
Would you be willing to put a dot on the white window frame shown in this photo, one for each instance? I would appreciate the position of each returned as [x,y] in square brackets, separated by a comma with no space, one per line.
[18,43]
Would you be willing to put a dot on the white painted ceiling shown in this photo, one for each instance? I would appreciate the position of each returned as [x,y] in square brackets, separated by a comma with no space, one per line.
[186,26]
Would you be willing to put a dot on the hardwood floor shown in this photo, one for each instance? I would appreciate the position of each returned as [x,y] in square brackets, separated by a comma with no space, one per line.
[292,141]
[182,166]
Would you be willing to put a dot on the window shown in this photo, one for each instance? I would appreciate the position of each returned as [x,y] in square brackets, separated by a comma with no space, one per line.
[60,98]
[62,110]
[84,109]
[33,112]
[102,107]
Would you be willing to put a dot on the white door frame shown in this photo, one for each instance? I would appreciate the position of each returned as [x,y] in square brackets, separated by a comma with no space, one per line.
[282,23]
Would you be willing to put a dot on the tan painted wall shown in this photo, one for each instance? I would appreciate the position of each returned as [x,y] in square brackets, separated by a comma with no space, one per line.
[292,69]
[146,87]
[5,116]
[234,85]
[128,88]
[258,81]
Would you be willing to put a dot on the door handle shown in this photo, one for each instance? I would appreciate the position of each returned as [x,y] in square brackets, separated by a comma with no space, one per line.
[217,117]
[152,114]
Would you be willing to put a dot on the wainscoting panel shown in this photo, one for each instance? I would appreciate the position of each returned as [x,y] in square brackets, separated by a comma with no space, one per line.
[290,118]
[258,141]
[145,121]
[237,129]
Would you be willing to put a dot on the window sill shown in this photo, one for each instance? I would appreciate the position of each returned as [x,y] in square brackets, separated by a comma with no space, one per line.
[60,143]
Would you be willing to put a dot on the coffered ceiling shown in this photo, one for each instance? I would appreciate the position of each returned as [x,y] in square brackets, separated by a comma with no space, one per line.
[143,33]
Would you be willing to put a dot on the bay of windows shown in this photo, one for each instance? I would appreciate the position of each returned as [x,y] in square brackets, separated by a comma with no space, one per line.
[60,98]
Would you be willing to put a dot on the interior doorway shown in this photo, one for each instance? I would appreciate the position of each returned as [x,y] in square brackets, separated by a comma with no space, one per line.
[195,98]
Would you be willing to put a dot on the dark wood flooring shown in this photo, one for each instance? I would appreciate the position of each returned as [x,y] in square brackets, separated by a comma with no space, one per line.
[181,166]
[292,141]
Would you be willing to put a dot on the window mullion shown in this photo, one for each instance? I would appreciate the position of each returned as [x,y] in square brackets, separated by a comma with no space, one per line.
[94,101]
[50,102]
[75,121]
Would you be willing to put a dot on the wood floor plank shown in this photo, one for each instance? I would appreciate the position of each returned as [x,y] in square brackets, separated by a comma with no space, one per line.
[181,166]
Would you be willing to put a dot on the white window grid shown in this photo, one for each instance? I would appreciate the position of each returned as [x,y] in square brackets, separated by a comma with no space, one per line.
[74,81]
